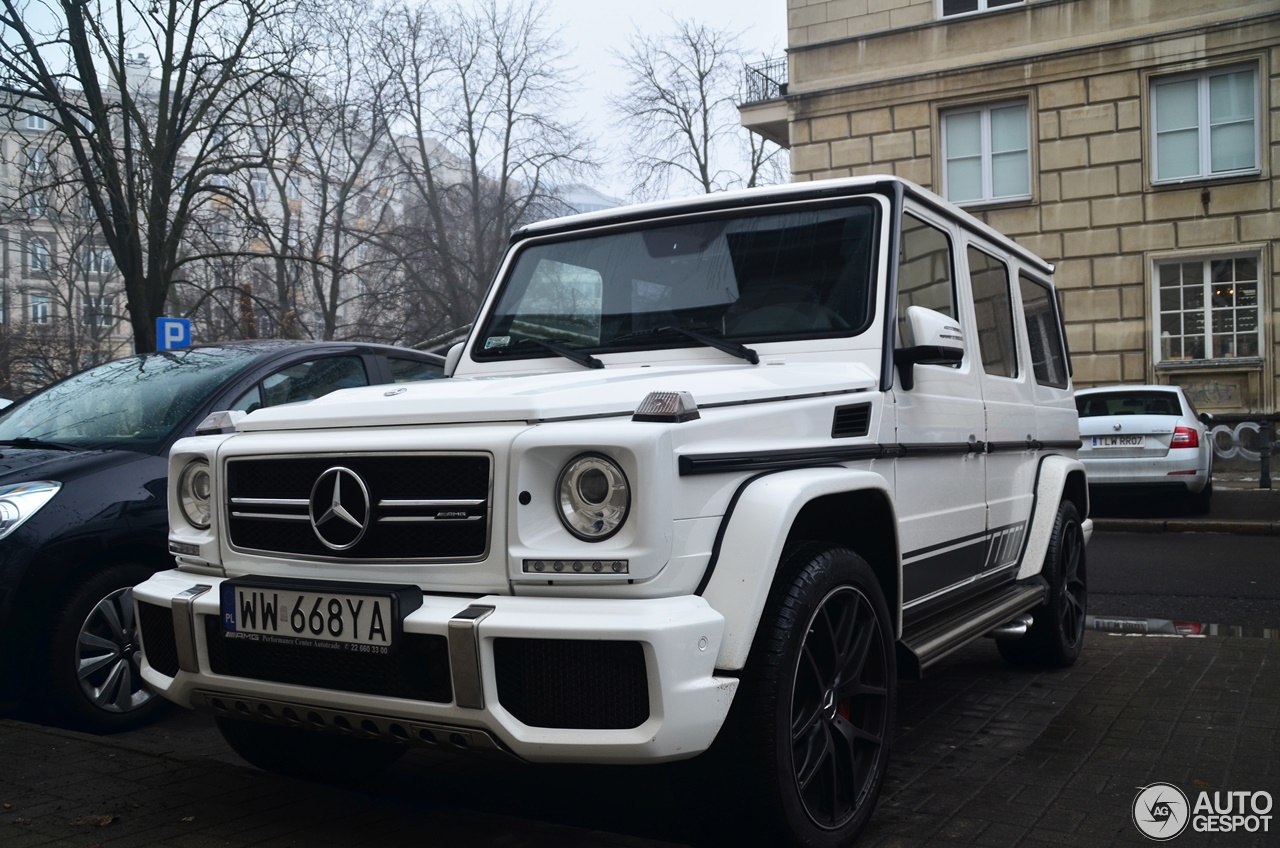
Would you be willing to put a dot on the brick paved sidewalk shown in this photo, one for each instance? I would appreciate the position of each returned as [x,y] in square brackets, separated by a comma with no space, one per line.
[983,756]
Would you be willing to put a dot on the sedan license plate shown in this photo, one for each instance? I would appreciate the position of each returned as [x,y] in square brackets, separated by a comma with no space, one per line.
[317,615]
[1119,441]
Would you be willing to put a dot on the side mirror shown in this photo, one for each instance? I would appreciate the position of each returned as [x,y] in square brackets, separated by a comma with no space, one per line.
[1206,419]
[932,339]
[452,358]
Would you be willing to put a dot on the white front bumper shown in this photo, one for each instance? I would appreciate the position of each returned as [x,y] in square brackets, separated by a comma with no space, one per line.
[680,638]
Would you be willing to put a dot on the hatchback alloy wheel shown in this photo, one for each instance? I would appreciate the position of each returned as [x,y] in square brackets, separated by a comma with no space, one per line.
[108,658]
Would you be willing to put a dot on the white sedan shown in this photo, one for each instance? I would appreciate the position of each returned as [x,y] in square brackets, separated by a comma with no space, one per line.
[1146,438]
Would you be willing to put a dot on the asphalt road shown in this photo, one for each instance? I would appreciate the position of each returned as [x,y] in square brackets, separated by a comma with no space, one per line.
[1209,578]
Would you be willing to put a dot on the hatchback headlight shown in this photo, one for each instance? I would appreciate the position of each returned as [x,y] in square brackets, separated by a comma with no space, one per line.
[194,488]
[594,497]
[20,501]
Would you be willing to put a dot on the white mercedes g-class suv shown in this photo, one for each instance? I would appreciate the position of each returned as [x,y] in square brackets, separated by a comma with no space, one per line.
[718,470]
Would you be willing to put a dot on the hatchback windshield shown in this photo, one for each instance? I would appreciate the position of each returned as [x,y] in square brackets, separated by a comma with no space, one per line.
[1128,403]
[751,278]
[131,404]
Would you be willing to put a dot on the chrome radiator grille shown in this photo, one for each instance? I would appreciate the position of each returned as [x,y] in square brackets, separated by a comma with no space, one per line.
[363,507]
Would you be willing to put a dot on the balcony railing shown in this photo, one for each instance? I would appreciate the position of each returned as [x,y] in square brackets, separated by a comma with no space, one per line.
[765,81]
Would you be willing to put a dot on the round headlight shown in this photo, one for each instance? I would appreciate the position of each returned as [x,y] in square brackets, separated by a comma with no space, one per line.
[194,488]
[594,497]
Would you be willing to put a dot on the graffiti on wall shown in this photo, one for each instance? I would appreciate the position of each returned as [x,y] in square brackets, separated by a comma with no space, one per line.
[1214,393]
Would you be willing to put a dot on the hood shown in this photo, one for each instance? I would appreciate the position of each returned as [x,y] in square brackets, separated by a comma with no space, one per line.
[18,465]
[557,395]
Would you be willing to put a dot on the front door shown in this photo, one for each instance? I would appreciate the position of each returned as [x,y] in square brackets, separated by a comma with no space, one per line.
[941,471]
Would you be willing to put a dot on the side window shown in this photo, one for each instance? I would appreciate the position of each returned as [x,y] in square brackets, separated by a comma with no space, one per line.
[924,273]
[413,370]
[1044,331]
[249,401]
[993,309]
[313,379]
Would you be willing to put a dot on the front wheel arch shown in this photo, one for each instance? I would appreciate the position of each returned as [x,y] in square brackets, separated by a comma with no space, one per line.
[833,505]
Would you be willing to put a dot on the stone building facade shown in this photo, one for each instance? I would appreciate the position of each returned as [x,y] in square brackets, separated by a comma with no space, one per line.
[1133,143]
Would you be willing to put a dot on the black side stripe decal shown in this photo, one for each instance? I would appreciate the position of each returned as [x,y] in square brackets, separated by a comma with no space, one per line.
[721,463]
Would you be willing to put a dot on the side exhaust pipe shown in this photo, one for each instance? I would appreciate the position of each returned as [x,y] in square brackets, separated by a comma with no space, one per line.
[1015,629]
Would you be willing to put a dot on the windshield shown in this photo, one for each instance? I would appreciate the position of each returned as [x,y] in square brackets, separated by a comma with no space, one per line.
[748,279]
[131,404]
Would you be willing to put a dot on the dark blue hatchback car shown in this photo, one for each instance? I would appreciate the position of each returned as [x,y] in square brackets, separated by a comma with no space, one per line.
[83,480]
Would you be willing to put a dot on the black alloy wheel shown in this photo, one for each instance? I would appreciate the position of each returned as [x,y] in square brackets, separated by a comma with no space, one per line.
[1056,635]
[814,718]
[839,708]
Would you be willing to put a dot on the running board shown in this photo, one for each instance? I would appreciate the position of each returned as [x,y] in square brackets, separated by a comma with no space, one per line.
[940,636]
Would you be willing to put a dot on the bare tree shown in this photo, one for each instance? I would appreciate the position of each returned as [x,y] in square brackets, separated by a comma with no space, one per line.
[479,88]
[680,118]
[314,215]
[142,97]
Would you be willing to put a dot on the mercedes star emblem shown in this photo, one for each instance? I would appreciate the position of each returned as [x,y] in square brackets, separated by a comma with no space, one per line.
[339,509]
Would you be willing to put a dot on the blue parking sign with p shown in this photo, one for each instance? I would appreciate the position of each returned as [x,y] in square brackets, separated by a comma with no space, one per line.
[173,333]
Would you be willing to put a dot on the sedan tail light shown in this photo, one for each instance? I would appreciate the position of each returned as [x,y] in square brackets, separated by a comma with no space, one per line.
[1185,437]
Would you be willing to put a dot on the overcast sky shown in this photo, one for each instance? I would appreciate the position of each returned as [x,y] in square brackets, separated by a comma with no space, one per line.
[591,28]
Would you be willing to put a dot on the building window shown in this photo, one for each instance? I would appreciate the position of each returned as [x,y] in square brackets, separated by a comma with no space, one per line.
[98,260]
[36,122]
[37,204]
[965,7]
[37,161]
[38,256]
[99,312]
[258,185]
[1208,309]
[38,308]
[1205,124]
[987,153]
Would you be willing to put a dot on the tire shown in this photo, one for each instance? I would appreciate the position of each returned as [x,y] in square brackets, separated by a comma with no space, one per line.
[815,717]
[1199,502]
[1056,635]
[92,668]
[307,754]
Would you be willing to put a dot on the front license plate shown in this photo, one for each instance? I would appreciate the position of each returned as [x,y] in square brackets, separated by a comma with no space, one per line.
[334,618]
[1119,441]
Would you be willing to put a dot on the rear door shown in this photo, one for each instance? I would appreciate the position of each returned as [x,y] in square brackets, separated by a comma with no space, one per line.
[1008,394]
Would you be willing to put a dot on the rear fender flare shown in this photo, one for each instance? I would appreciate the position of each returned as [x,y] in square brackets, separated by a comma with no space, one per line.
[1060,478]
[755,532]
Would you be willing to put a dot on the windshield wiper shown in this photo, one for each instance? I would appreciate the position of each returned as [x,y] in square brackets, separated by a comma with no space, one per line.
[731,348]
[586,360]
[25,442]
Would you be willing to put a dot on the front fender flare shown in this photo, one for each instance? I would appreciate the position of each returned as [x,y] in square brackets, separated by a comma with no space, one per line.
[755,531]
